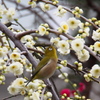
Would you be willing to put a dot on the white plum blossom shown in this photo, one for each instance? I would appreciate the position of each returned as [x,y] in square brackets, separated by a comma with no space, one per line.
[87,77]
[13,90]
[16,86]
[38,81]
[10,13]
[15,66]
[2,62]
[18,1]
[35,96]
[20,82]
[26,98]
[18,72]
[5,49]
[84,30]
[32,86]
[63,44]
[96,35]
[55,41]
[63,75]
[5,41]
[49,94]
[97,46]
[63,47]
[14,55]
[83,55]
[77,44]
[45,7]
[1,11]
[2,78]
[95,71]
[29,44]
[77,9]
[26,38]
[73,23]
[81,25]
[32,4]
[42,30]
[2,53]
[60,11]
[64,27]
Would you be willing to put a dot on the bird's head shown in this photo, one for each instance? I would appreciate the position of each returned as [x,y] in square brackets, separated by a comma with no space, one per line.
[50,51]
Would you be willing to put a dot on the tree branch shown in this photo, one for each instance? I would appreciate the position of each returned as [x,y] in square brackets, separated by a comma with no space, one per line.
[18,44]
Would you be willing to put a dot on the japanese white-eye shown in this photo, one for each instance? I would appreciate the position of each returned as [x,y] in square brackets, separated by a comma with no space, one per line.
[47,66]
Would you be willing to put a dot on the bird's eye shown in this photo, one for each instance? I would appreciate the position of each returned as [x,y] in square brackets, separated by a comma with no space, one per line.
[50,49]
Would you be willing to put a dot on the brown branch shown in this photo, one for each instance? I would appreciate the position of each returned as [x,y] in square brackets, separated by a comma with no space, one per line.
[58,33]
[19,36]
[93,6]
[35,50]
[83,72]
[72,38]
[72,13]
[49,16]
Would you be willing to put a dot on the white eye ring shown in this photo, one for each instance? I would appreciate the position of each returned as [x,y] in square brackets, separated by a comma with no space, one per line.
[50,49]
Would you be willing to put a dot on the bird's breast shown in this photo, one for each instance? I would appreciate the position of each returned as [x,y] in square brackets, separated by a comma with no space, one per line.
[48,70]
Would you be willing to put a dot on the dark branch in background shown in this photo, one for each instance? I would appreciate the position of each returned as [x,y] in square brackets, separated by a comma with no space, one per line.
[11,97]
[33,11]
[71,12]
[93,6]
[49,16]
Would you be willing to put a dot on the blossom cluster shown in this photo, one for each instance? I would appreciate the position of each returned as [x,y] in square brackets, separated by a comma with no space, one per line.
[7,14]
[33,91]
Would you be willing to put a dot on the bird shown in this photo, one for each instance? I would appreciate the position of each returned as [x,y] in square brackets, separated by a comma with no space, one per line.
[47,66]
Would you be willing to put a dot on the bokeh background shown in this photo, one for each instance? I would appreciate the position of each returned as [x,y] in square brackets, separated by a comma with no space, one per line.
[32,18]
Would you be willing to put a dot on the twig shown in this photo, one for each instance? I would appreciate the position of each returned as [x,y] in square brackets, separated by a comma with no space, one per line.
[52,89]
[42,95]
[71,12]
[19,36]
[20,25]
[35,50]
[83,72]
[11,97]
[3,3]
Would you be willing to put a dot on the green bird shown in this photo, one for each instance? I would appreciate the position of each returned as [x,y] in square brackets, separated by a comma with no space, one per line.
[47,66]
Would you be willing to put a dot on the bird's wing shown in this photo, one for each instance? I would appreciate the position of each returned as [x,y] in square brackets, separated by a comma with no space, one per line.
[41,64]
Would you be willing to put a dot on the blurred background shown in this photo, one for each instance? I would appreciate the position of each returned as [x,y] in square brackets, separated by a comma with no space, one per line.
[31,18]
